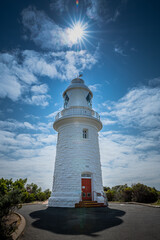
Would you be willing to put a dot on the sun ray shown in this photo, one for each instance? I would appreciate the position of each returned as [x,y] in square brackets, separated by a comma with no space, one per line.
[77,32]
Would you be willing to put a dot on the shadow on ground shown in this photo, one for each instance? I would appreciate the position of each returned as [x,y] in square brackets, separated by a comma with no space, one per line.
[76,221]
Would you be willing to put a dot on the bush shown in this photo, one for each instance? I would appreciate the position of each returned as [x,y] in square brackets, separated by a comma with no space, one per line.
[105,189]
[41,196]
[126,194]
[144,194]
[118,192]
[12,194]
[8,202]
[110,195]
[137,193]
[47,193]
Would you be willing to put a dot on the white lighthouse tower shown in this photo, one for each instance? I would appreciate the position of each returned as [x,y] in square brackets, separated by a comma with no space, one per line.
[77,174]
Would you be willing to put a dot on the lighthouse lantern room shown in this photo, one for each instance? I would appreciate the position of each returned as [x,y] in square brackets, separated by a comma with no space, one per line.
[77,173]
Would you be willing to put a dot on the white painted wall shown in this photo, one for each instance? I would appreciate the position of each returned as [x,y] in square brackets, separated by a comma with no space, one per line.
[75,155]
[77,97]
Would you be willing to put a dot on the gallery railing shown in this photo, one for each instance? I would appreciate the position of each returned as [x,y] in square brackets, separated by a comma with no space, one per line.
[77,111]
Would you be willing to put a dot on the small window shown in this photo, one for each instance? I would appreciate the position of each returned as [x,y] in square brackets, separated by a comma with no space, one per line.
[66,100]
[83,194]
[88,194]
[85,133]
[89,100]
[86,175]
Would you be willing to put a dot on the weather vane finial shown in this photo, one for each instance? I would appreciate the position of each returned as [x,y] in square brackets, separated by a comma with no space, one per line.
[80,75]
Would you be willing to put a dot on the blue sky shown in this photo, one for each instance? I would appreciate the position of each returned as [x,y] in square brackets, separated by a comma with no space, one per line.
[120,63]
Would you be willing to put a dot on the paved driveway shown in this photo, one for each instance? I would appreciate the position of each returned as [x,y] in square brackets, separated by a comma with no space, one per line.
[118,221]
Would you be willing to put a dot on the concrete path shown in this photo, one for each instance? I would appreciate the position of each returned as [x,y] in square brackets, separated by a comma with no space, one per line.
[118,221]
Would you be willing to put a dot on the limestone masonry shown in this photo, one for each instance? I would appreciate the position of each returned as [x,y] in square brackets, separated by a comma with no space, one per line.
[77,173]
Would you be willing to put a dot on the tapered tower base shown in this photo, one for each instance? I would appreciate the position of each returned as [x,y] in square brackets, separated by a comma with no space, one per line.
[63,199]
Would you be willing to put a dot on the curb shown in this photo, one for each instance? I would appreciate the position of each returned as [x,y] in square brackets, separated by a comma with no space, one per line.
[35,203]
[136,203]
[18,232]
[144,204]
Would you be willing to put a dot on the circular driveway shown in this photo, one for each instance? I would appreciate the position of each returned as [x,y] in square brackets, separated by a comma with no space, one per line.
[118,221]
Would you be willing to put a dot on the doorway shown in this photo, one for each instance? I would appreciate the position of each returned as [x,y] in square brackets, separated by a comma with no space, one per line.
[86,189]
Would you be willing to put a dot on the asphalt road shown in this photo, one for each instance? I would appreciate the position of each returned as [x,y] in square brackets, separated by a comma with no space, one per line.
[118,221]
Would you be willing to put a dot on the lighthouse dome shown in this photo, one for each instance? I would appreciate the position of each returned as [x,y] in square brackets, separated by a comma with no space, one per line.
[77,94]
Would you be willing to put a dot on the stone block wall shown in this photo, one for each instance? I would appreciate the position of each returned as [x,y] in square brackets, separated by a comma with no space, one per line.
[75,155]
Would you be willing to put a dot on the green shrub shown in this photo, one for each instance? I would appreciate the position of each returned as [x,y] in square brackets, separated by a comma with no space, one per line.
[137,193]
[8,202]
[47,193]
[41,196]
[126,194]
[110,195]
[12,194]
[144,194]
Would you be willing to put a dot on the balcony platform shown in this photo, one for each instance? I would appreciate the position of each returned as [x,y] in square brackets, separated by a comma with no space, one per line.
[73,111]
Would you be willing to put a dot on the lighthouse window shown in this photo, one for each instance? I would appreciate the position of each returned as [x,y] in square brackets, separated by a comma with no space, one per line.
[87,175]
[85,133]
[66,100]
[89,99]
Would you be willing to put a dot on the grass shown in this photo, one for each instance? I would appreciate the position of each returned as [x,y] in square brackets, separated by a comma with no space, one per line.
[157,203]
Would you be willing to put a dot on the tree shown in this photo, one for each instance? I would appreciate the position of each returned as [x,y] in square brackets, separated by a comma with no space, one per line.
[10,198]
[126,194]
[118,192]
[110,195]
[12,194]
[47,193]
[106,189]
[144,194]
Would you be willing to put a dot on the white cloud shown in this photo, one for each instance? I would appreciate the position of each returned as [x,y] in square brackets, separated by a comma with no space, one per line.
[41,64]
[119,50]
[40,89]
[92,10]
[21,70]
[133,155]
[94,87]
[107,121]
[15,79]
[38,169]
[12,124]
[18,76]
[129,159]
[39,100]
[139,108]
[44,31]
[59,5]
[28,125]
[31,116]
[52,115]
[9,84]
[98,10]
[28,155]
[155,82]
[61,65]
[104,9]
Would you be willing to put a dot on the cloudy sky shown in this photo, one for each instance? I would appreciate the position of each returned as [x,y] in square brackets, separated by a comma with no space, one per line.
[119,57]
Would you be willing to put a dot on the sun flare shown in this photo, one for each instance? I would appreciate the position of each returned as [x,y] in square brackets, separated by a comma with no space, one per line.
[77,32]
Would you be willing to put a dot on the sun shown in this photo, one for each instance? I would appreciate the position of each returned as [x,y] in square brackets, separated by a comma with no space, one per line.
[77,33]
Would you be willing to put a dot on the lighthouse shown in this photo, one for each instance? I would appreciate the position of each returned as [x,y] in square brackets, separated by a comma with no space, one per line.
[77,178]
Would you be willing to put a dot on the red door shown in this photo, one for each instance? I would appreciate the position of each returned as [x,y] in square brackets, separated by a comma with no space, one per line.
[86,189]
